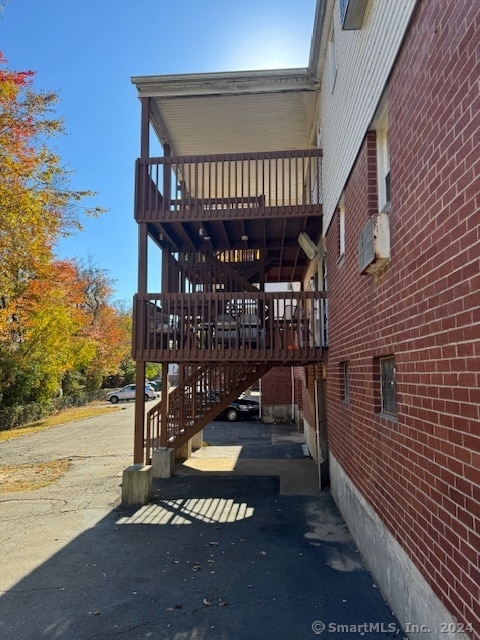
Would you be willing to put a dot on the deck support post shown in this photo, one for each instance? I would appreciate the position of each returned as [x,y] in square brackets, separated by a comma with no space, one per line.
[137,484]
[185,451]
[163,462]
[197,440]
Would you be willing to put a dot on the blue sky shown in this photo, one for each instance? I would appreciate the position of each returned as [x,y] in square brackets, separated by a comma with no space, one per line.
[87,52]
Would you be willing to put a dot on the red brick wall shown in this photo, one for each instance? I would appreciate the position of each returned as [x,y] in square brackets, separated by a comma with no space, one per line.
[422,473]
[277,386]
[305,378]
[277,389]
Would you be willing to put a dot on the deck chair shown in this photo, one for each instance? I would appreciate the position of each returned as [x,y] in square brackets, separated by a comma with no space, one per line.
[250,329]
[226,331]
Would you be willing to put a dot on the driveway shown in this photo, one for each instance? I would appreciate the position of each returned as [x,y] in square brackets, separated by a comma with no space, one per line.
[215,556]
[36,524]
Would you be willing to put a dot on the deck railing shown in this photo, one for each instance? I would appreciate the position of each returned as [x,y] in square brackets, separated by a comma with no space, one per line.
[224,186]
[228,326]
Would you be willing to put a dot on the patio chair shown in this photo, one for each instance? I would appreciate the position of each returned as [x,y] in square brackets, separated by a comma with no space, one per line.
[251,332]
[226,331]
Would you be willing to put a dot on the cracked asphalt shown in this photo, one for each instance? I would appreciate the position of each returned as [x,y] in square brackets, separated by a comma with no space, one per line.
[213,557]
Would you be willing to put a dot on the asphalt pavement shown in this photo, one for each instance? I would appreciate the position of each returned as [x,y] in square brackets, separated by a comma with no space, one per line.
[233,547]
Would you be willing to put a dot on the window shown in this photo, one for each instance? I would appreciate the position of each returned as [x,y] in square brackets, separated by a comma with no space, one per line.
[380,124]
[332,59]
[352,13]
[383,162]
[345,373]
[388,385]
[341,226]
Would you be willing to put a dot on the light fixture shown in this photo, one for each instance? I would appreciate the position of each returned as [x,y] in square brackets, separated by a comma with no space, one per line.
[308,245]
[244,238]
[202,233]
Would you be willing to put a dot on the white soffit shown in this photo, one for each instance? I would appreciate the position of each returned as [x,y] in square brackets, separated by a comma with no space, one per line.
[232,112]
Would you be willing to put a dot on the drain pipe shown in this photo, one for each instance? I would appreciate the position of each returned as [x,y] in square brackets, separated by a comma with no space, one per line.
[260,399]
[317,437]
[292,376]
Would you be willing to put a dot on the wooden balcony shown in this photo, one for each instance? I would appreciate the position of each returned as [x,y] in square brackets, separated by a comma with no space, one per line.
[211,327]
[226,187]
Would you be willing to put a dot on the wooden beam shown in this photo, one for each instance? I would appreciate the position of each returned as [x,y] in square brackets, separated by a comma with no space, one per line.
[138,451]
[145,128]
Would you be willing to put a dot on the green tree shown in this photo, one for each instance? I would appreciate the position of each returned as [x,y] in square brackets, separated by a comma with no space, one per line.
[42,316]
[36,204]
[109,327]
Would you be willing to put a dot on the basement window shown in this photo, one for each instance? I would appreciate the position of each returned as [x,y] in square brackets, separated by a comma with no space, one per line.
[388,386]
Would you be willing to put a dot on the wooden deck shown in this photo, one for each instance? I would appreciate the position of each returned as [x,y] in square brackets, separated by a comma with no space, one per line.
[255,185]
[230,326]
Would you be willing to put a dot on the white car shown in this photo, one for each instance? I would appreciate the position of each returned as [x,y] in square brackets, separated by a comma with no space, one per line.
[128,393]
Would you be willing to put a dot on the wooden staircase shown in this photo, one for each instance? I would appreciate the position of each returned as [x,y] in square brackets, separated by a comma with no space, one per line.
[215,271]
[201,395]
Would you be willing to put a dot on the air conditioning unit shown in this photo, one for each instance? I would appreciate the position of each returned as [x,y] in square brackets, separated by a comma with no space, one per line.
[374,244]
[351,13]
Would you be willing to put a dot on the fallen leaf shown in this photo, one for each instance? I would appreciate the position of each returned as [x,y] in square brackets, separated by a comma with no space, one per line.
[214,544]
[207,603]
[263,553]
[222,603]
[196,567]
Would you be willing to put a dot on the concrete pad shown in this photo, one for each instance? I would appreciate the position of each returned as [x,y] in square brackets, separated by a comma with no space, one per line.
[297,477]
[209,465]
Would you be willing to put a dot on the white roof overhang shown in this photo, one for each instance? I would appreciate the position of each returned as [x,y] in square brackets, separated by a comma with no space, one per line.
[234,112]
[240,111]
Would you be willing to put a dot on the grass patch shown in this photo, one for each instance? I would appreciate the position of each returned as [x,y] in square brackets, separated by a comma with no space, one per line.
[68,415]
[28,477]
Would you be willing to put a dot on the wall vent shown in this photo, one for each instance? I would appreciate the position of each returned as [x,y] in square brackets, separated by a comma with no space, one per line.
[374,244]
[351,13]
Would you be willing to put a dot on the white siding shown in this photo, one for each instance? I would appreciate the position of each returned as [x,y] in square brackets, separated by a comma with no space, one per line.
[364,59]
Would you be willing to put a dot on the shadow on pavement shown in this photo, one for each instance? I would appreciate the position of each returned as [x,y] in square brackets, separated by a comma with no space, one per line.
[224,558]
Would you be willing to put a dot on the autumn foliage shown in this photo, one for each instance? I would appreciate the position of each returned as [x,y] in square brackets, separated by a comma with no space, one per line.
[58,329]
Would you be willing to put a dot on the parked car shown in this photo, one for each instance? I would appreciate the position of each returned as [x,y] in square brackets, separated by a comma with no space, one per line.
[156,384]
[128,393]
[240,409]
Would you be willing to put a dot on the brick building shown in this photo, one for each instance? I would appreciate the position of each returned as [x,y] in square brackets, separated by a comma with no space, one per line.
[391,96]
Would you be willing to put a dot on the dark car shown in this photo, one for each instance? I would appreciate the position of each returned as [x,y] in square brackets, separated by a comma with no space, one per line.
[240,409]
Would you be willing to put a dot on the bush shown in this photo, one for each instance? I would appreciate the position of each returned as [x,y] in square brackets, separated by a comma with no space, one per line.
[19,415]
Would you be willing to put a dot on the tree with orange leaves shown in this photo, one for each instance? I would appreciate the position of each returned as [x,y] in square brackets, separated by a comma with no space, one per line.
[36,204]
[43,320]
